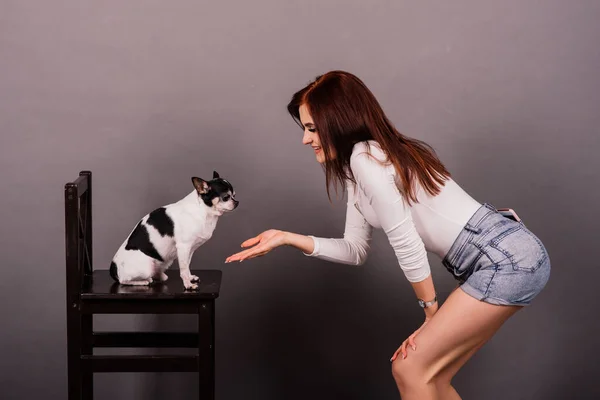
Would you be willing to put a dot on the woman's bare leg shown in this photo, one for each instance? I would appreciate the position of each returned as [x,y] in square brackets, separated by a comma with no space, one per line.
[460,327]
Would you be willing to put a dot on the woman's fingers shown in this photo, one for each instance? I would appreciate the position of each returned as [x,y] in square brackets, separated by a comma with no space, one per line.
[236,256]
[251,255]
[403,349]
[232,258]
[263,243]
[256,252]
[411,342]
[396,353]
[251,241]
[400,352]
[247,254]
[247,243]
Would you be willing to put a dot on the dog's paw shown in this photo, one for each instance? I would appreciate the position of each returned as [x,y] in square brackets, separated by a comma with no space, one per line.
[195,278]
[136,283]
[162,277]
[190,286]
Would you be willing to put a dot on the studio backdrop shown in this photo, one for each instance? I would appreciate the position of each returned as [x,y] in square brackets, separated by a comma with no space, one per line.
[147,94]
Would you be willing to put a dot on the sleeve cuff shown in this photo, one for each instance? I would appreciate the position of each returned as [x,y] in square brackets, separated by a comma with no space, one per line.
[424,275]
[315,245]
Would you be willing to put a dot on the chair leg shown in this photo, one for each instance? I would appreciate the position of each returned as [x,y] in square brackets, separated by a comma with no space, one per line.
[74,352]
[206,350]
[87,382]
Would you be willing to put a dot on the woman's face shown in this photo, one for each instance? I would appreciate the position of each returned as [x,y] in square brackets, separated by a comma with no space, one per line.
[311,137]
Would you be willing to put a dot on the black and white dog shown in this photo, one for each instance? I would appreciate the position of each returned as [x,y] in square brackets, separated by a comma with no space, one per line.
[172,232]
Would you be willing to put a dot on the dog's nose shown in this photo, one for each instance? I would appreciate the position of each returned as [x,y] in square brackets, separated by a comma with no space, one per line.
[236,202]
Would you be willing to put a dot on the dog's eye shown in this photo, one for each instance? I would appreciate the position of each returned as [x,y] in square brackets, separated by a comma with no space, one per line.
[226,197]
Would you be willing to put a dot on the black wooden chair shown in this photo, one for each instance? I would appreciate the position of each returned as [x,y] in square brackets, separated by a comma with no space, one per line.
[94,292]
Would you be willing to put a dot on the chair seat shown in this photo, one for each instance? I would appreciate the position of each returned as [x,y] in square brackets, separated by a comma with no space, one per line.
[103,287]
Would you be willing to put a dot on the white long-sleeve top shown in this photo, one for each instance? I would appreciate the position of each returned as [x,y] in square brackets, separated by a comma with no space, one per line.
[432,224]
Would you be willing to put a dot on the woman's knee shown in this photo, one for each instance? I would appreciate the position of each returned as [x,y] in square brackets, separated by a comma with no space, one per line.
[413,371]
[409,371]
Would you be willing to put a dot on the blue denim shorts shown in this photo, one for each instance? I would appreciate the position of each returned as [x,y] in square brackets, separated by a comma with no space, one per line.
[498,260]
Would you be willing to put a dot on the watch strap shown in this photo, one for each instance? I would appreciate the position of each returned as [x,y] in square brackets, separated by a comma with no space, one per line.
[426,304]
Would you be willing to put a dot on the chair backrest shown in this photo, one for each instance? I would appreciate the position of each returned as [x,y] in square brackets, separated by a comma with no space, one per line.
[78,233]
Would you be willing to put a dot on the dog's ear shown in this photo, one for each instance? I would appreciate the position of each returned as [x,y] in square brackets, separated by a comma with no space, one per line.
[215,175]
[200,184]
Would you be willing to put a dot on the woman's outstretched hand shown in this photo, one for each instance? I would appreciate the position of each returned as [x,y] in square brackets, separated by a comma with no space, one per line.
[263,243]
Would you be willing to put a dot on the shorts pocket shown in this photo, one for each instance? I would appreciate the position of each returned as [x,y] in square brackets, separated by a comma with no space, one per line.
[525,251]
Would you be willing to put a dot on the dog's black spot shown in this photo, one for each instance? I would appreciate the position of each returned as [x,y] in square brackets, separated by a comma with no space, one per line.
[218,187]
[113,271]
[207,198]
[161,221]
[224,185]
[140,240]
[227,184]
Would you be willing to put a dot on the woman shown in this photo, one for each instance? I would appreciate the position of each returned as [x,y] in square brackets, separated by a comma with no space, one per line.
[398,184]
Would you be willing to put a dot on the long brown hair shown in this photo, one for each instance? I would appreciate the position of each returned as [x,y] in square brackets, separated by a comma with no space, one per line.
[346,112]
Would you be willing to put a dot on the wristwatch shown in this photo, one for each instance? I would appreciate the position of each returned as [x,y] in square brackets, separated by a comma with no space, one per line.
[425,304]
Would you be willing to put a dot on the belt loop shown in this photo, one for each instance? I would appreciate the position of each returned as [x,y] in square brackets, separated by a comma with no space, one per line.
[472,228]
[491,207]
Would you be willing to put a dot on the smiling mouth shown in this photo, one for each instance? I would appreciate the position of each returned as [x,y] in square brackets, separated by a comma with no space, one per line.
[317,149]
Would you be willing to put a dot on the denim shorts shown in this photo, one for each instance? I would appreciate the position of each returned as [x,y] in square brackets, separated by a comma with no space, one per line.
[498,260]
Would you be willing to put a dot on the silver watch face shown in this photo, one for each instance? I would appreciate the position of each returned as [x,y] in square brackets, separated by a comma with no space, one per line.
[421,303]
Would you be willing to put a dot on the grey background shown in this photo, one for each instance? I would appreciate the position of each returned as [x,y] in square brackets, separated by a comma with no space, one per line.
[148,93]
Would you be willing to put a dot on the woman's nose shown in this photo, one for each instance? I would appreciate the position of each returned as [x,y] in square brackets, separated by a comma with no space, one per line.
[306,139]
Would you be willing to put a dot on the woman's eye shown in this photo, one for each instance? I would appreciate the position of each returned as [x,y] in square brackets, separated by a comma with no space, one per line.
[226,197]
[312,130]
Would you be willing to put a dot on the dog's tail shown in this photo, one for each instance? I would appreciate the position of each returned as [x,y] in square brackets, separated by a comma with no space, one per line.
[113,271]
